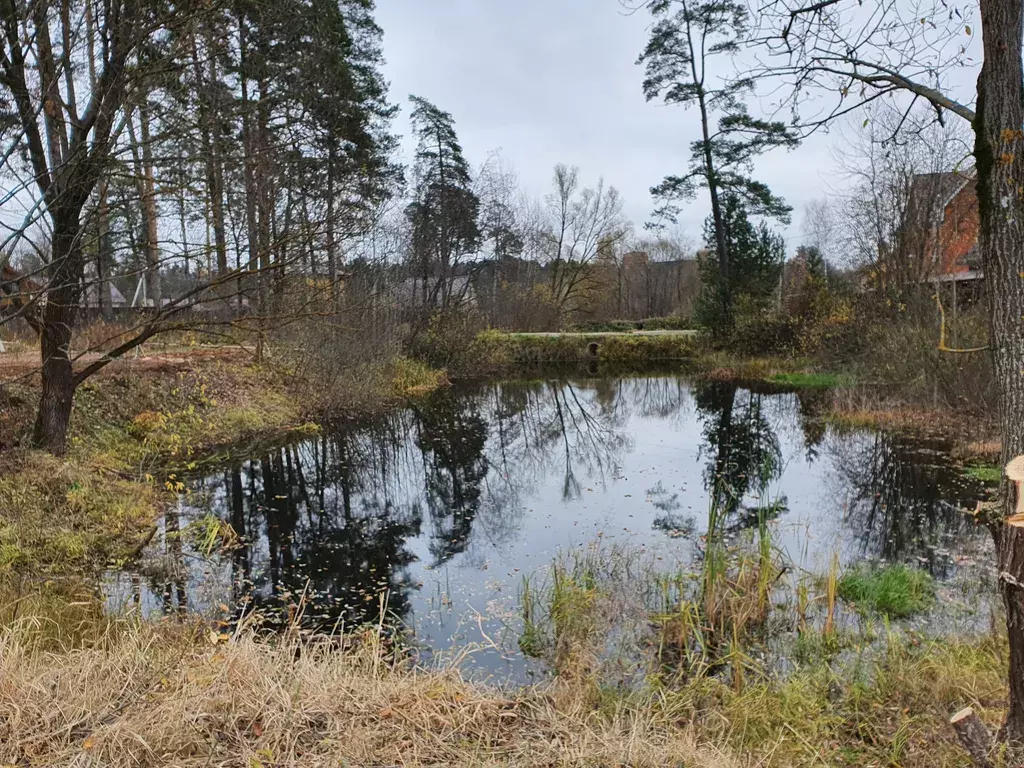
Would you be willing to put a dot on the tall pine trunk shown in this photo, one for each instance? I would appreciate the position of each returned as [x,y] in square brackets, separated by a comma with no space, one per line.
[332,246]
[248,158]
[999,152]
[212,144]
[142,160]
[149,212]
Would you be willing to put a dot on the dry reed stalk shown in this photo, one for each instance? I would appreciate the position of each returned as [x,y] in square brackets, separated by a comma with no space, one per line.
[160,696]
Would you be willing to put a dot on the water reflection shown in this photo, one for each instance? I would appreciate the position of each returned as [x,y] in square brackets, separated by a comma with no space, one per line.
[904,498]
[745,454]
[442,507]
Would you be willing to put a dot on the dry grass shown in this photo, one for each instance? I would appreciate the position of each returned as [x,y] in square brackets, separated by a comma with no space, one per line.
[159,697]
[870,408]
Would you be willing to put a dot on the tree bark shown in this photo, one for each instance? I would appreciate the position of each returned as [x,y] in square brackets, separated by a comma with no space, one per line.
[58,319]
[149,212]
[103,253]
[999,154]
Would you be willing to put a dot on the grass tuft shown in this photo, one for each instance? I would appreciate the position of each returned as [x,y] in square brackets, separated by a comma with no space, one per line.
[896,590]
[989,474]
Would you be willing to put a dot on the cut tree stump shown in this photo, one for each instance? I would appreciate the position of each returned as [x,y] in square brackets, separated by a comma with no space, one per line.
[973,735]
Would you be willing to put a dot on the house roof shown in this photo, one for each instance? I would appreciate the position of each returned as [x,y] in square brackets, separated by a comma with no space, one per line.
[932,192]
[114,297]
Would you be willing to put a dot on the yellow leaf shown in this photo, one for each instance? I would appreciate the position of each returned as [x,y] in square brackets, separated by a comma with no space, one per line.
[967,29]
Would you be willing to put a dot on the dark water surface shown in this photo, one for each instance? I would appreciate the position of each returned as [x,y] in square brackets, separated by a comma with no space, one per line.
[442,508]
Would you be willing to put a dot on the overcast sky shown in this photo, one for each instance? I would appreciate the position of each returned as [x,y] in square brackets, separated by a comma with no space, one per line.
[549,81]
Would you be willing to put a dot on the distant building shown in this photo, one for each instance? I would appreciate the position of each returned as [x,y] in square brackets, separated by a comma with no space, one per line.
[414,292]
[112,297]
[635,259]
[944,209]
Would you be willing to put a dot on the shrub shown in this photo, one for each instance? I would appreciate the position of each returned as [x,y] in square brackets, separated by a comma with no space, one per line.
[758,330]
[448,339]
[670,323]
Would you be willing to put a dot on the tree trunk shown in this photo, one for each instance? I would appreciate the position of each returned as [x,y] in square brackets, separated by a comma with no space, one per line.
[147,198]
[210,133]
[248,161]
[149,212]
[104,253]
[999,152]
[332,257]
[973,735]
[58,319]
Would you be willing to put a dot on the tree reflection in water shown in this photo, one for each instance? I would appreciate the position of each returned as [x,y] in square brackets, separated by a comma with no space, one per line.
[329,525]
[743,448]
[451,435]
[903,497]
[336,521]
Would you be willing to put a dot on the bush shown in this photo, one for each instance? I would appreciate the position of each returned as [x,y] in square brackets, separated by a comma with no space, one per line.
[670,323]
[758,330]
[900,349]
[448,341]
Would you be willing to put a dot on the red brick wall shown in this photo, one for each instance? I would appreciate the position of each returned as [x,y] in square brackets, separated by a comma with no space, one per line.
[959,231]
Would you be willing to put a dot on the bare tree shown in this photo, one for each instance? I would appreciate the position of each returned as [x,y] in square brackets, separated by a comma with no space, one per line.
[901,171]
[862,52]
[66,129]
[819,227]
[578,225]
[657,277]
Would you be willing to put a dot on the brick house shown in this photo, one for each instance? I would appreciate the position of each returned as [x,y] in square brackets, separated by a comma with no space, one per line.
[952,243]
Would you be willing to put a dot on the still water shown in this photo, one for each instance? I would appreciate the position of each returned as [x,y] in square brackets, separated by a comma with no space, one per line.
[440,510]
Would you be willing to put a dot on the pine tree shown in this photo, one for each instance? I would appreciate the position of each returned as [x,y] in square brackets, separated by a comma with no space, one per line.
[811,257]
[445,208]
[758,255]
[686,36]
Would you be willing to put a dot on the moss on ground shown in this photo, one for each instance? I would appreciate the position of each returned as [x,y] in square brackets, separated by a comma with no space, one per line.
[784,372]
[811,380]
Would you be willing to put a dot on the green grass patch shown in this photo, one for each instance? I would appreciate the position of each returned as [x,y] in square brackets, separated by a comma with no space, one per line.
[989,474]
[896,590]
[63,516]
[808,380]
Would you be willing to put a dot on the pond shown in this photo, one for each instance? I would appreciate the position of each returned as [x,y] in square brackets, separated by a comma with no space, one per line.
[437,513]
